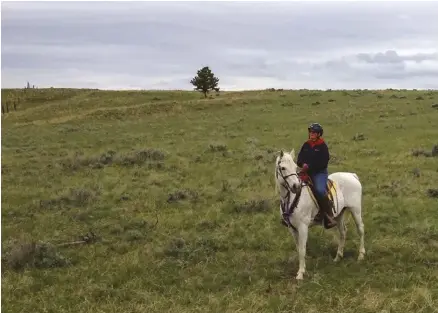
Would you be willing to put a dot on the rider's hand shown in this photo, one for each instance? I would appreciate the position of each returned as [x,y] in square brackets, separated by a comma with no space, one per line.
[304,177]
[305,167]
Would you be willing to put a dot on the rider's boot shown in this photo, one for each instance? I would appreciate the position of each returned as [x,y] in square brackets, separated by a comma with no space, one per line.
[326,208]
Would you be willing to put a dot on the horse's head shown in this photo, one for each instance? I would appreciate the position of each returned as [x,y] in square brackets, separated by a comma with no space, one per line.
[286,171]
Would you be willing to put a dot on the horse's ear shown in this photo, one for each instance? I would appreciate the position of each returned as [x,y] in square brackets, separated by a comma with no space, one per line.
[281,153]
[292,153]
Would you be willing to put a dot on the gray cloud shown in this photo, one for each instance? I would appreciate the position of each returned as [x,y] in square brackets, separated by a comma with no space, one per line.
[248,45]
[392,56]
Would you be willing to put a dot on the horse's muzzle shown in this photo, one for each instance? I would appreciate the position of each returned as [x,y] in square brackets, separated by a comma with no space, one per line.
[295,188]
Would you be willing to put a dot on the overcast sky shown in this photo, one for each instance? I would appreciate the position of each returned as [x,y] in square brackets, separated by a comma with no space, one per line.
[161,45]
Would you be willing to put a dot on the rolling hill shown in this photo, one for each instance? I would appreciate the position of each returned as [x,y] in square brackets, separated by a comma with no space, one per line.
[174,198]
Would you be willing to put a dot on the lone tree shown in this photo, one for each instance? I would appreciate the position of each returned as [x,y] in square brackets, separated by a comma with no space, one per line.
[205,81]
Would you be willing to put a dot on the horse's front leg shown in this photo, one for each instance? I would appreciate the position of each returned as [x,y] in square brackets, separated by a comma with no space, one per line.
[295,235]
[302,242]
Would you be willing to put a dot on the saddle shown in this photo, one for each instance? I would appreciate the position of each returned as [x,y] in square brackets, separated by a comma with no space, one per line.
[330,191]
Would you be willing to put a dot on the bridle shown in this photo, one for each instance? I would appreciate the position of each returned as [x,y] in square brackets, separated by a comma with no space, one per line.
[285,208]
[287,186]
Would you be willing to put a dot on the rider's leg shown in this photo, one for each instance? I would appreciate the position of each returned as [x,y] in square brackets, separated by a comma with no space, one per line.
[320,183]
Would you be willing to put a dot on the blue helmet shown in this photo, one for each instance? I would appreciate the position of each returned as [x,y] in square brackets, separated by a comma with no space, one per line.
[316,127]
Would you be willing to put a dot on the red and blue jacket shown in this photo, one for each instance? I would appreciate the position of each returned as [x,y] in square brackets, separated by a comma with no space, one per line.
[315,154]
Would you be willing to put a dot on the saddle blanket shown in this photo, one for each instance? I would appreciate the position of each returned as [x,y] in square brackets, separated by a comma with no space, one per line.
[335,197]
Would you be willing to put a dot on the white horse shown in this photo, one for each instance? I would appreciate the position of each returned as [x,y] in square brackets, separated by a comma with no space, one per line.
[297,200]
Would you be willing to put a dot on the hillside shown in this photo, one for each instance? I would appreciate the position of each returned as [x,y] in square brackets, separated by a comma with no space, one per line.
[175,194]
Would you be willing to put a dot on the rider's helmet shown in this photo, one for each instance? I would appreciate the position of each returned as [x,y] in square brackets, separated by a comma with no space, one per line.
[316,127]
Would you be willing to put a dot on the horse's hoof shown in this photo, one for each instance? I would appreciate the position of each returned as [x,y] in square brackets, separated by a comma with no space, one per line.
[361,257]
[337,258]
[299,276]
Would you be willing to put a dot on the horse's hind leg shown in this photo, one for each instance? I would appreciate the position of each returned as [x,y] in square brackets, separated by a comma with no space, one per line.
[357,216]
[342,236]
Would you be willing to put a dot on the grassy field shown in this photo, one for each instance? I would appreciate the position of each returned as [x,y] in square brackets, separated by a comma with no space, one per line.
[179,194]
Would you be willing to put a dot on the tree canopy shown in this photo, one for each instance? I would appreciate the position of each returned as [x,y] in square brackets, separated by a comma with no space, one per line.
[205,81]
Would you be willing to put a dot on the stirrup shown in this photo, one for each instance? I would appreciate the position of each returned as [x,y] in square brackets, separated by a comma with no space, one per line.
[319,217]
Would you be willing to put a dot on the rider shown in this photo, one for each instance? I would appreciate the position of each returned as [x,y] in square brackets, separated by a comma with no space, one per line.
[313,158]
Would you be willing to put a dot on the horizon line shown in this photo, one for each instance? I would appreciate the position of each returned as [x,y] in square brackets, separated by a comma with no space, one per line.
[225,90]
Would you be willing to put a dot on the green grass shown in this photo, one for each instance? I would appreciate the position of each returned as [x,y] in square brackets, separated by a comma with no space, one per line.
[179,191]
